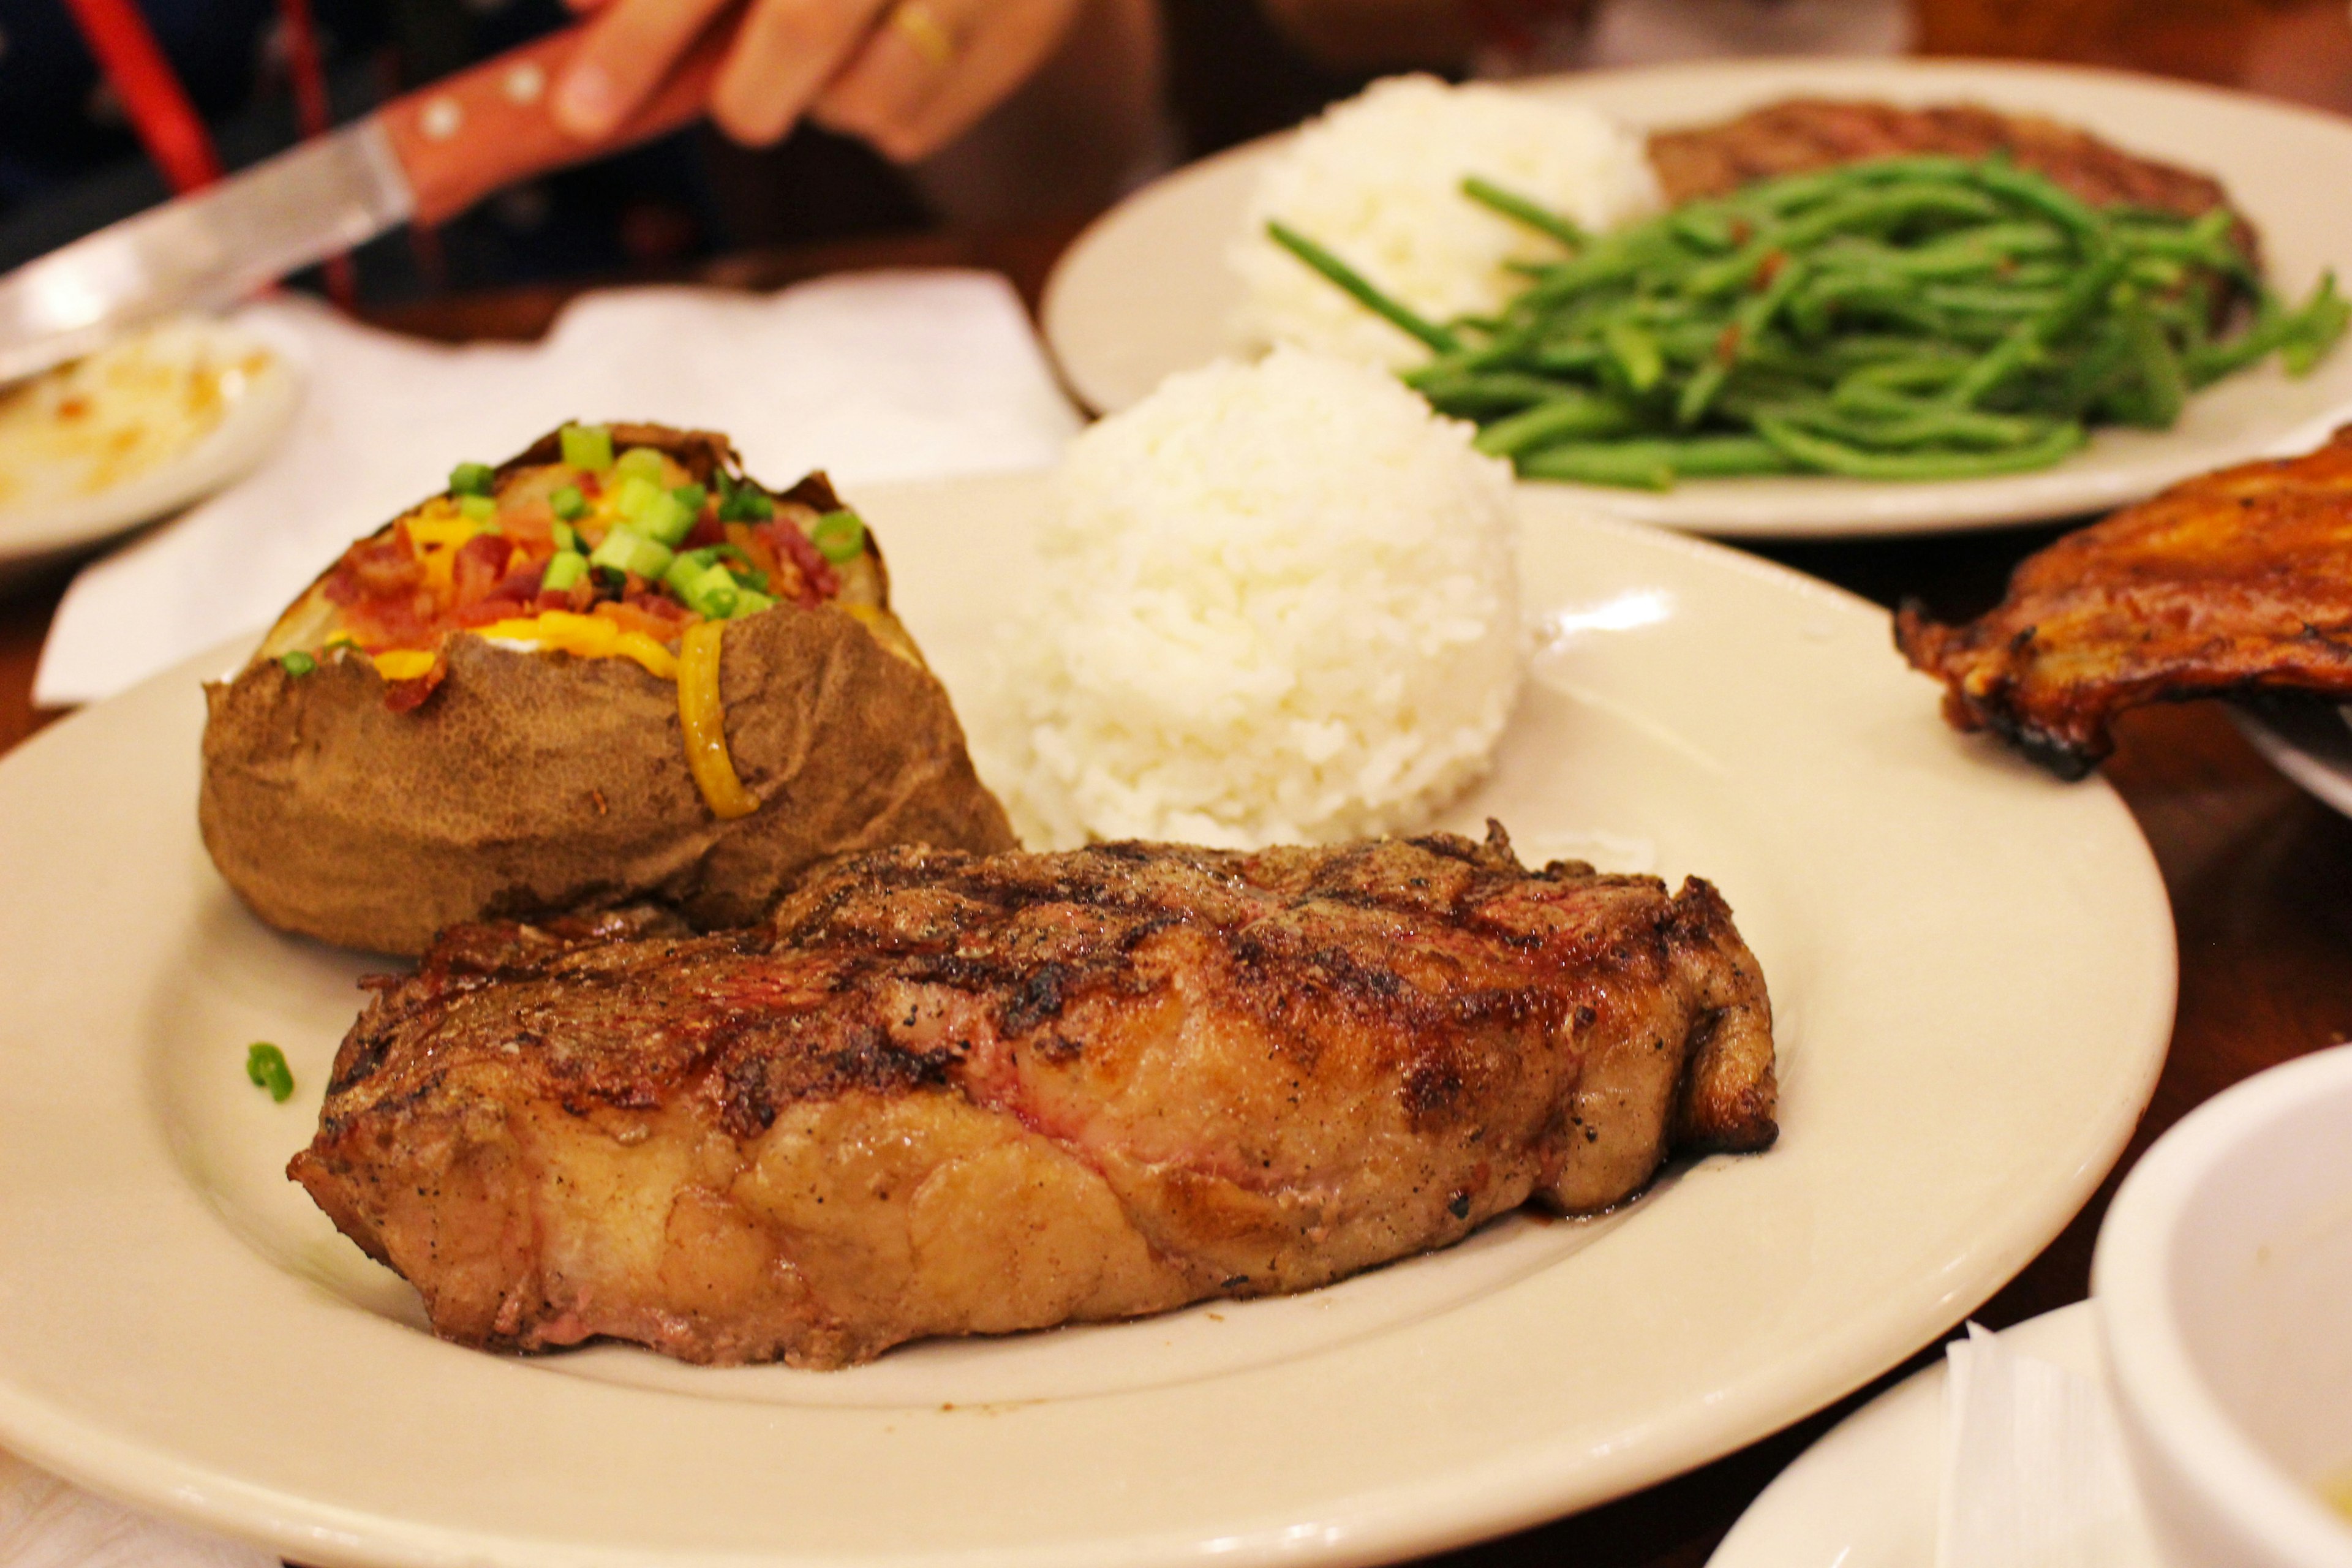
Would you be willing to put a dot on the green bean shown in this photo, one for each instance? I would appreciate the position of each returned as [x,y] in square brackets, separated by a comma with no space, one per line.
[1828,456]
[1909,317]
[1635,355]
[1490,393]
[2163,384]
[1656,465]
[1355,283]
[1748,322]
[1562,418]
[1521,210]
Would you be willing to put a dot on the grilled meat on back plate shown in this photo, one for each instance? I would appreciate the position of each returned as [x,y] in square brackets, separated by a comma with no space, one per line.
[944,1094]
[1804,133]
[2235,582]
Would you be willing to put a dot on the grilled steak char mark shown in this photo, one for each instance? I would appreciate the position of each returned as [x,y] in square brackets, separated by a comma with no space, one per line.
[939,1093]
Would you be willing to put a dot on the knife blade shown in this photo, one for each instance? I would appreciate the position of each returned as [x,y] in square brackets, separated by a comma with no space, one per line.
[425,156]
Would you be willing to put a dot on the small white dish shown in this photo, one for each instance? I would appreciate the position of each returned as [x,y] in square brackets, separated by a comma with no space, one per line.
[2310,742]
[2223,1287]
[54,496]
[1866,1495]
[1146,291]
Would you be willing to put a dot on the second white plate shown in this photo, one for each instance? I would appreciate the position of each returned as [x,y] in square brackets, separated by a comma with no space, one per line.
[1146,291]
[1972,970]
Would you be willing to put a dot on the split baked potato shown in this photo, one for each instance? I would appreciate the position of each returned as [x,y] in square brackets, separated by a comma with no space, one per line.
[610,670]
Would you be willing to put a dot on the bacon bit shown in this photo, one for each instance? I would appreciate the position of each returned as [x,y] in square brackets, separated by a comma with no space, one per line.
[577,598]
[377,568]
[480,563]
[636,618]
[1727,347]
[1769,268]
[818,581]
[407,696]
[529,527]
[707,530]
[590,485]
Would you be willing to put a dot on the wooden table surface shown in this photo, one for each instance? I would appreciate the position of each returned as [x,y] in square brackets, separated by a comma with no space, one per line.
[2260,874]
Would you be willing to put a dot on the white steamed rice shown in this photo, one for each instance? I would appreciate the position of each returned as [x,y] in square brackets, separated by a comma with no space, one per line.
[1277,602]
[1378,181]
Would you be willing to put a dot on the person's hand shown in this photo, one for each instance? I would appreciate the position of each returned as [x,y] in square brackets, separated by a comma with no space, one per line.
[906,76]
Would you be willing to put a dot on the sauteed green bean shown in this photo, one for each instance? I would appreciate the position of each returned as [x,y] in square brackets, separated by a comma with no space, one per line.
[1908,317]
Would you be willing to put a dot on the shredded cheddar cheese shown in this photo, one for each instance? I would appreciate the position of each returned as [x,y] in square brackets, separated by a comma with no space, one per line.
[702,716]
[403,663]
[585,637]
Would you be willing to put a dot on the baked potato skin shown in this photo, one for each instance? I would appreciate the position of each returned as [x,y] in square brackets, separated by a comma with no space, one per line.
[532,782]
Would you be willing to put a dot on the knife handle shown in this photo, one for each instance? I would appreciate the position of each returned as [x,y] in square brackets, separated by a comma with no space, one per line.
[487,126]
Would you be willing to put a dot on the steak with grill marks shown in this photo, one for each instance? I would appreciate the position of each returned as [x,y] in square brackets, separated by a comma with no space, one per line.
[945,1094]
[1805,134]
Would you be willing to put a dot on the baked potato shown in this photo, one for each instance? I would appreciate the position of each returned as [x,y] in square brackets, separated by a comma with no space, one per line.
[611,669]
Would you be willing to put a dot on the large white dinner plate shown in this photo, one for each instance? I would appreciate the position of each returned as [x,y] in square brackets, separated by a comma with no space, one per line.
[1146,291]
[1973,971]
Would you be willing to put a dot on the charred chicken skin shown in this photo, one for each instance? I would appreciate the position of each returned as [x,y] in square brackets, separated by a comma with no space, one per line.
[946,1094]
[2235,581]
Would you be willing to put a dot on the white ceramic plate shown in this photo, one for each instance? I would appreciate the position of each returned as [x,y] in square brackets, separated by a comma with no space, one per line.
[2309,742]
[1972,967]
[260,405]
[1145,291]
[1865,1496]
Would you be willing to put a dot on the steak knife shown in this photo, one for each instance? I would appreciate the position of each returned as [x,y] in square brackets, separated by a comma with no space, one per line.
[426,157]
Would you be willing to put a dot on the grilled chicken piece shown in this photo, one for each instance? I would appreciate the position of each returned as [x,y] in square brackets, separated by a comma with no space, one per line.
[1804,133]
[2235,582]
[941,1094]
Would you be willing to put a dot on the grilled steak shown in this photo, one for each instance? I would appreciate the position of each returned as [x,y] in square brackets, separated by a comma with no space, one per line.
[943,1094]
[1805,134]
[2236,581]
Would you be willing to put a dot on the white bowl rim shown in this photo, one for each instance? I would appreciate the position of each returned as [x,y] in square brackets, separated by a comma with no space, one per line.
[2153,1374]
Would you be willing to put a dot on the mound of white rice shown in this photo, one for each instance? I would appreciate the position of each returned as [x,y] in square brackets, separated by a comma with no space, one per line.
[1378,181]
[1277,603]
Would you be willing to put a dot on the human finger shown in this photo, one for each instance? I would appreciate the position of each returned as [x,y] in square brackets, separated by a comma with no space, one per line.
[933,67]
[629,47]
[784,53]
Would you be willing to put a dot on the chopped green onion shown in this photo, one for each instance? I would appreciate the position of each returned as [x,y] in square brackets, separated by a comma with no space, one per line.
[566,536]
[740,501]
[705,587]
[750,577]
[665,517]
[299,663]
[633,495]
[564,568]
[588,447]
[569,503]
[750,602]
[626,549]
[265,1064]
[471,480]
[640,462]
[839,536]
[691,496]
[478,509]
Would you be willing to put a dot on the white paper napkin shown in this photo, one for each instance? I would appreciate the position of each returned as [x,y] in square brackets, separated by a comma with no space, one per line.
[873,376]
[2035,1473]
[45,1523]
